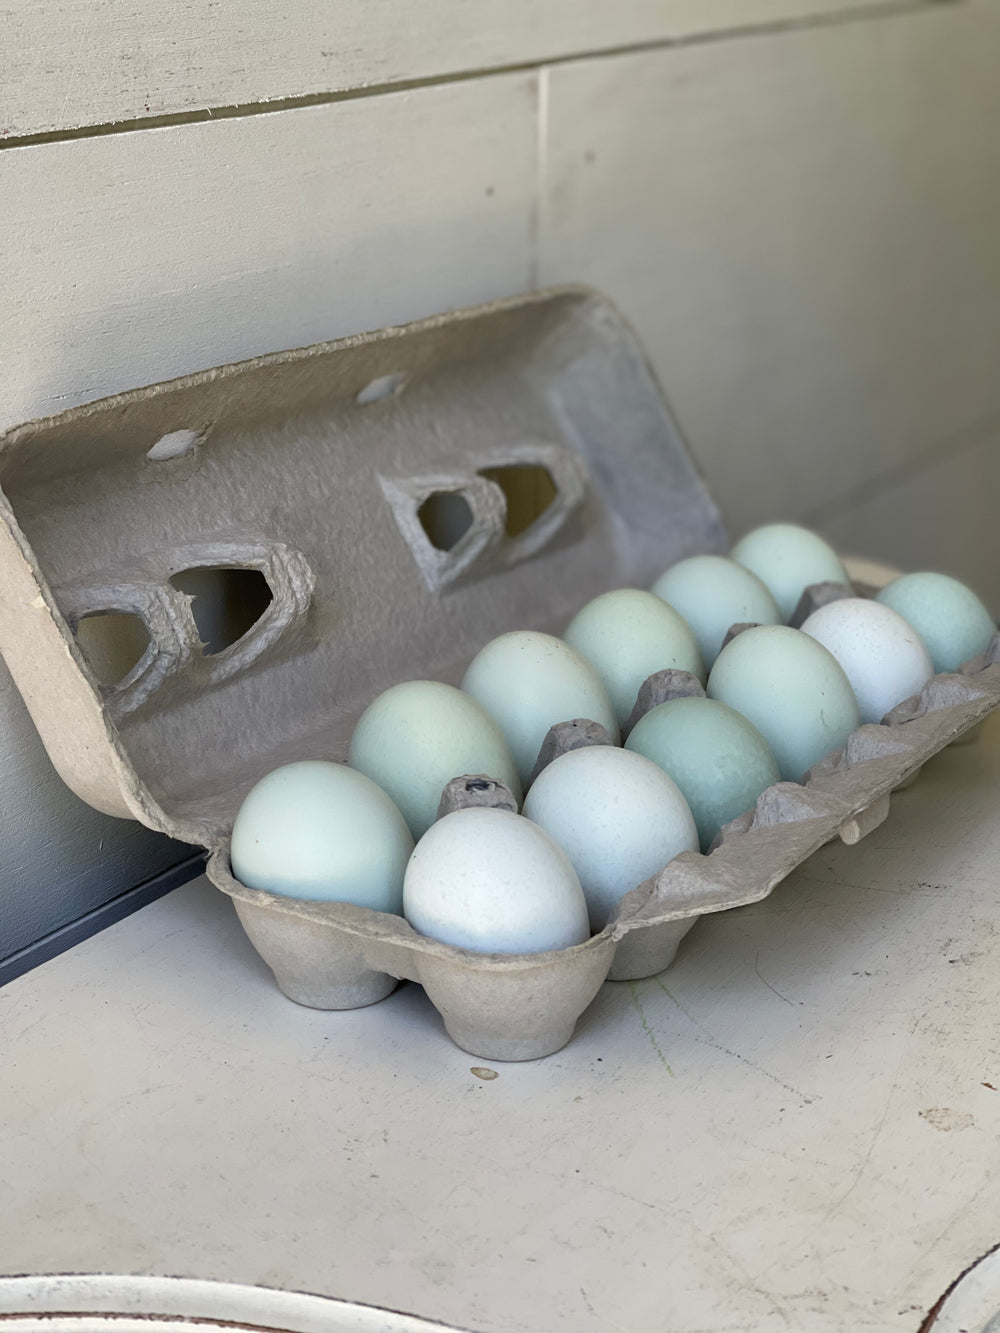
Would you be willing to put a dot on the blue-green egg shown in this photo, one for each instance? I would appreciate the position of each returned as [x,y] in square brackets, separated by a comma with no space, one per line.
[527,682]
[413,739]
[947,615]
[627,635]
[717,758]
[792,689]
[788,559]
[712,594]
[322,831]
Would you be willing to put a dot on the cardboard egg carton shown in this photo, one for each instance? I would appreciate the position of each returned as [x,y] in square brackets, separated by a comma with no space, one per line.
[319,471]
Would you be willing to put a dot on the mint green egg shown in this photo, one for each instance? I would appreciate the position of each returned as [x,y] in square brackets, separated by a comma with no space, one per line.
[718,759]
[713,593]
[627,635]
[947,615]
[321,831]
[788,559]
[415,737]
[792,689]
[529,681]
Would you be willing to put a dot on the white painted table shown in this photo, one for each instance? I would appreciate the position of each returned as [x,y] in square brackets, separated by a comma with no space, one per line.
[795,1127]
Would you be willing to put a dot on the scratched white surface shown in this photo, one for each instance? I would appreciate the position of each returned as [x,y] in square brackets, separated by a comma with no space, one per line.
[793,1128]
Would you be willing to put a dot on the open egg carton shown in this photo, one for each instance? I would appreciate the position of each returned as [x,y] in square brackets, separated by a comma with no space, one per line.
[363,485]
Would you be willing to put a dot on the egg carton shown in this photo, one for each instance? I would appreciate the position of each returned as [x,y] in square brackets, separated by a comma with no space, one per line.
[314,471]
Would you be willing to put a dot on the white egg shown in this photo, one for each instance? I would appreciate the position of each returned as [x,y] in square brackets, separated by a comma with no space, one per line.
[628,635]
[788,559]
[717,758]
[617,816]
[413,739]
[883,657]
[948,616]
[527,682]
[792,689]
[712,594]
[493,882]
[322,831]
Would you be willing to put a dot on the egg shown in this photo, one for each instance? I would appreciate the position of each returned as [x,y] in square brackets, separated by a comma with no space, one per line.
[618,818]
[787,559]
[322,831]
[413,739]
[717,758]
[883,657]
[792,689]
[527,682]
[947,615]
[713,593]
[628,634]
[493,882]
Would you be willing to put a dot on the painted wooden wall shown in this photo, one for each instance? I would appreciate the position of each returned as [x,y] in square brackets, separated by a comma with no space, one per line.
[797,202]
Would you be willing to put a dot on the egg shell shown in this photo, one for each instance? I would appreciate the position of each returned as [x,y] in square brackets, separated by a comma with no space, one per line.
[883,657]
[528,682]
[792,689]
[712,593]
[413,739]
[618,818]
[493,882]
[717,758]
[787,559]
[321,831]
[629,634]
[948,616]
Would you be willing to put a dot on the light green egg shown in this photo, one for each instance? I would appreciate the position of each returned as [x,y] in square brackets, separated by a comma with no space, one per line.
[322,831]
[788,559]
[947,615]
[717,758]
[627,635]
[792,689]
[413,739]
[713,593]
[528,682]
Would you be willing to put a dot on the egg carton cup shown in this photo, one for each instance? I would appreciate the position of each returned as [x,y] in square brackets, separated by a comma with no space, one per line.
[312,472]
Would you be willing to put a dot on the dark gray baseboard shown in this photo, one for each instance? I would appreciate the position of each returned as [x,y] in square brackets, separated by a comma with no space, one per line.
[58,941]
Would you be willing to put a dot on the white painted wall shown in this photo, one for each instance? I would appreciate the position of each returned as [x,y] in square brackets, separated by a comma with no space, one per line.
[797,202]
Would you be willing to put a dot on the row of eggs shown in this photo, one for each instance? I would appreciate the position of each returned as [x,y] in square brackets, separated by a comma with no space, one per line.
[598,821]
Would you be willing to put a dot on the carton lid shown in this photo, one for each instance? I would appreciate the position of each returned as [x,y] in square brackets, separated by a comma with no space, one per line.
[386,504]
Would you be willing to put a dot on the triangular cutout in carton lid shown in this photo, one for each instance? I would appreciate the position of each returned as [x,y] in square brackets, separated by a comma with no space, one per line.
[376,508]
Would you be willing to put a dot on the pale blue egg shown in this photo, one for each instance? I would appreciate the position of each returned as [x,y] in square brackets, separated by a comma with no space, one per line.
[713,593]
[322,831]
[792,689]
[527,682]
[493,882]
[883,655]
[618,818]
[947,615]
[788,559]
[717,758]
[413,739]
[627,635]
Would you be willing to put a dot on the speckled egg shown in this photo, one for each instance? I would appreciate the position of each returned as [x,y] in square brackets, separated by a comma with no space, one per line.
[788,559]
[713,593]
[494,882]
[617,816]
[628,635]
[527,682]
[792,689]
[883,657]
[413,739]
[322,831]
[947,615]
[717,758]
